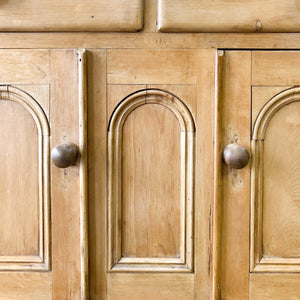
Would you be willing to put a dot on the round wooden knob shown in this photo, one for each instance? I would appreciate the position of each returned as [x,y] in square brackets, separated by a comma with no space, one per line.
[235,156]
[64,155]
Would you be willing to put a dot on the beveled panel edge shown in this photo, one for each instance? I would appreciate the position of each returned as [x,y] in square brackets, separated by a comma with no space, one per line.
[259,263]
[43,260]
[116,263]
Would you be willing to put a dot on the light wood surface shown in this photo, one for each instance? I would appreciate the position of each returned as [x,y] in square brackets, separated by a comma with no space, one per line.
[97,139]
[67,15]
[27,286]
[142,235]
[275,68]
[65,182]
[160,285]
[281,216]
[25,245]
[236,107]
[138,66]
[150,40]
[24,66]
[20,197]
[274,286]
[228,16]
[150,286]
[141,193]
[36,234]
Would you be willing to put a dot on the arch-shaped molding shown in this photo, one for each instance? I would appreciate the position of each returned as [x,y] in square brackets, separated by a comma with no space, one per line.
[259,263]
[42,260]
[183,263]
[271,107]
[157,96]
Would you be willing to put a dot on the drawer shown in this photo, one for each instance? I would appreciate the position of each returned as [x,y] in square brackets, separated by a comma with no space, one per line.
[229,16]
[71,15]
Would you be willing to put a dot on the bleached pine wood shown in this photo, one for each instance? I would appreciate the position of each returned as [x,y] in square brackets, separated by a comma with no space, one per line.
[97,135]
[135,239]
[139,66]
[83,173]
[274,219]
[228,16]
[65,187]
[24,66]
[27,286]
[33,79]
[236,107]
[274,286]
[205,63]
[67,15]
[275,67]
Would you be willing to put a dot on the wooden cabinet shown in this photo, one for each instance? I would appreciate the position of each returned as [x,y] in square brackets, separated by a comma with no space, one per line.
[165,217]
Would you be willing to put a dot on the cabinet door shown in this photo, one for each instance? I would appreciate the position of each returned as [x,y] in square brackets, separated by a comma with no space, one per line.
[260,240]
[39,203]
[149,199]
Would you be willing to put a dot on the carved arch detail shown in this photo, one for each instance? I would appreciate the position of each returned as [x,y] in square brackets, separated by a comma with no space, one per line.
[116,261]
[42,260]
[258,262]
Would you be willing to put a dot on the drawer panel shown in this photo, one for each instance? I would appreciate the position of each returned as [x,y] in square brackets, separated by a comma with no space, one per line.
[229,16]
[71,15]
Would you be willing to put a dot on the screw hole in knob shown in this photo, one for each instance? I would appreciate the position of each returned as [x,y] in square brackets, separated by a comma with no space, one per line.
[235,156]
[64,155]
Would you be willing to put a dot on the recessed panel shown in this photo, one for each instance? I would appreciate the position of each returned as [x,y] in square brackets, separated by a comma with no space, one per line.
[281,195]
[19,188]
[69,15]
[24,206]
[228,16]
[151,183]
[275,180]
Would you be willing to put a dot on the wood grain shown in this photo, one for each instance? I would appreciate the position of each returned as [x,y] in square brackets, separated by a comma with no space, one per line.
[97,136]
[138,66]
[23,112]
[260,96]
[152,286]
[204,168]
[274,286]
[20,182]
[275,68]
[273,210]
[65,182]
[27,286]
[150,40]
[236,183]
[281,213]
[91,15]
[151,194]
[24,66]
[156,106]
[228,16]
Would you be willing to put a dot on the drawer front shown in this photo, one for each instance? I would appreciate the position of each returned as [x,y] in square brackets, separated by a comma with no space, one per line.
[70,15]
[229,16]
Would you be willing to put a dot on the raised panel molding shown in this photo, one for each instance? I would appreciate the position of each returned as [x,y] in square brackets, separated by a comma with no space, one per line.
[258,261]
[42,260]
[183,262]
